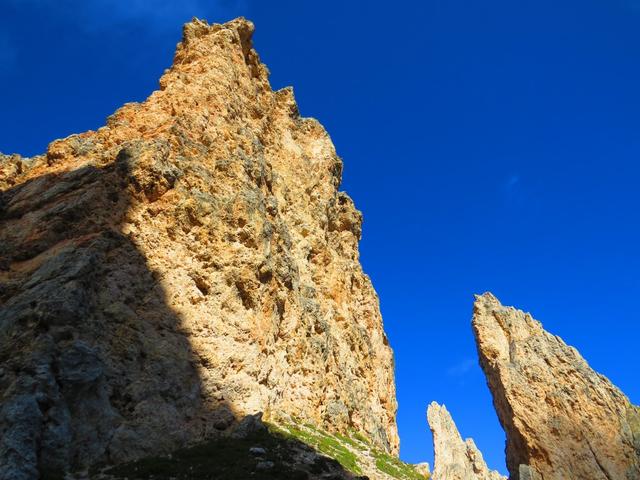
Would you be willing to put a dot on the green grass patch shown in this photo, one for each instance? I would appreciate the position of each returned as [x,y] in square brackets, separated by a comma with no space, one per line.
[395,467]
[230,458]
[330,445]
[358,445]
[359,437]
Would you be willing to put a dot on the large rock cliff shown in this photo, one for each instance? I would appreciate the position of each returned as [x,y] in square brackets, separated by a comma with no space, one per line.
[189,263]
[455,459]
[562,419]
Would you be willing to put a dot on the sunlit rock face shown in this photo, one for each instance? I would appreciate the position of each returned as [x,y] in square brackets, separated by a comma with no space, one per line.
[455,459]
[562,419]
[191,262]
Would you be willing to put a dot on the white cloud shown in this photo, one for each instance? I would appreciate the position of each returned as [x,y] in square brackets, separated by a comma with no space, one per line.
[461,368]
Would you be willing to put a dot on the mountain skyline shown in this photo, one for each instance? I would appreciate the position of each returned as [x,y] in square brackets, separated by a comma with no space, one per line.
[489,147]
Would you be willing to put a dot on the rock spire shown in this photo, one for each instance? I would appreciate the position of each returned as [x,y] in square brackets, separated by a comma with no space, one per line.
[455,459]
[562,419]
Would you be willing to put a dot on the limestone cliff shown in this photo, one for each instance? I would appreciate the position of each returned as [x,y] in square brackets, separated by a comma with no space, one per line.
[189,263]
[562,419]
[455,459]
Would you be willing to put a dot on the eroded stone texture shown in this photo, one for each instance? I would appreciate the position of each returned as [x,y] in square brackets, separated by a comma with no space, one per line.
[455,459]
[562,419]
[189,263]
[423,469]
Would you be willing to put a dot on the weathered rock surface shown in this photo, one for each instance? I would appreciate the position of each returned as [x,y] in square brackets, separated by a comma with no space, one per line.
[455,459]
[189,263]
[562,419]
[423,469]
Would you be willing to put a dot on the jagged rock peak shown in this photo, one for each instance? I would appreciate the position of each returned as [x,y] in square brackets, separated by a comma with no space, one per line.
[562,419]
[189,263]
[455,459]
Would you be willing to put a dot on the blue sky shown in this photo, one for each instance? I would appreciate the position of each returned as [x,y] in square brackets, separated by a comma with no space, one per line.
[491,145]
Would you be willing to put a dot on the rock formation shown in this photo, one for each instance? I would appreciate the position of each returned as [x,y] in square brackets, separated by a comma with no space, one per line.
[455,459]
[423,469]
[562,419]
[189,263]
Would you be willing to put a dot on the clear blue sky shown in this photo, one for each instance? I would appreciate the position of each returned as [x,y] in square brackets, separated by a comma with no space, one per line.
[492,145]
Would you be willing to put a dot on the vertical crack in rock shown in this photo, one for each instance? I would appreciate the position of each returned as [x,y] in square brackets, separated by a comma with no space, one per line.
[562,419]
[189,263]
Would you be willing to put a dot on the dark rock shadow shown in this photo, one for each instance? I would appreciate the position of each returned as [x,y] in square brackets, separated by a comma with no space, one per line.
[94,365]
[249,451]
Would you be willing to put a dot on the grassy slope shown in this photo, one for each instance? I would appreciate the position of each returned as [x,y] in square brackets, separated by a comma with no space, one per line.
[354,452]
[340,456]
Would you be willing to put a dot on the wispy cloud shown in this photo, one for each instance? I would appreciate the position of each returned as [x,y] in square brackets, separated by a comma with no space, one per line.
[511,182]
[462,368]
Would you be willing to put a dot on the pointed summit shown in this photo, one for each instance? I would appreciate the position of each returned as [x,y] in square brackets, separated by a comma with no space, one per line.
[455,459]
[188,264]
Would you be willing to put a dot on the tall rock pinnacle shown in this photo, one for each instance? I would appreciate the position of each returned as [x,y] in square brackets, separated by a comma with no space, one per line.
[562,419]
[455,459]
[191,262]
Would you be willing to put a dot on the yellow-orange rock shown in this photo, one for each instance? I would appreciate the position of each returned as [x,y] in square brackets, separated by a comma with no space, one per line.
[455,459]
[562,419]
[191,262]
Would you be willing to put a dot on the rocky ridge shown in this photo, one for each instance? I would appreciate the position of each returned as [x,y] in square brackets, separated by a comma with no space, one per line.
[189,263]
[455,459]
[562,419]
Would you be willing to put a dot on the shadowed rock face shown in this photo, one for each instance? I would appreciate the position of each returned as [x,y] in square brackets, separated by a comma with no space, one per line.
[187,264]
[562,419]
[455,459]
